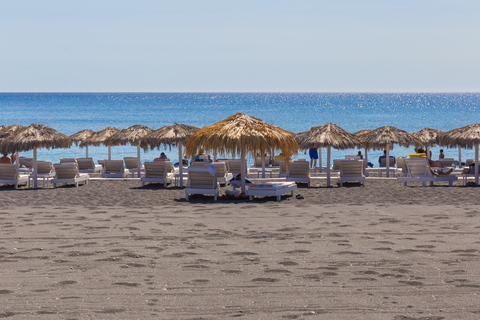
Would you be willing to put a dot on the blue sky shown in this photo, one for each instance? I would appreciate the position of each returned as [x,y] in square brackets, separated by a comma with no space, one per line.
[239,46]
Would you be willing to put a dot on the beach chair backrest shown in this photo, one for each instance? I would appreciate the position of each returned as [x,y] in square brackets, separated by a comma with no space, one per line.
[131,162]
[114,166]
[67,160]
[27,162]
[157,169]
[8,171]
[199,163]
[200,178]
[66,171]
[235,166]
[85,163]
[447,162]
[352,158]
[221,169]
[283,164]
[44,166]
[351,168]
[299,169]
[417,167]
[337,164]
[383,162]
[402,165]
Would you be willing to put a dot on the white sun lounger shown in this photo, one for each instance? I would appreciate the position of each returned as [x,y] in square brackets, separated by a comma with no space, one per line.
[200,181]
[68,173]
[158,172]
[9,175]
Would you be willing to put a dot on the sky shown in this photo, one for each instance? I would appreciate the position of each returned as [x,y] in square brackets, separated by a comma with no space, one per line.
[240,46]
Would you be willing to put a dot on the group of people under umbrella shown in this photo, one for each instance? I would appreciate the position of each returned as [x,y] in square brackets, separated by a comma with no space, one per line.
[238,135]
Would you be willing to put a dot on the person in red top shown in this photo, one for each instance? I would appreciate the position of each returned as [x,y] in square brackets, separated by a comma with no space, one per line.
[163,157]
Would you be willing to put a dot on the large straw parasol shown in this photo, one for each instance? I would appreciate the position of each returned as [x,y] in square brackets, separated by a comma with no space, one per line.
[99,137]
[133,136]
[80,136]
[329,135]
[385,137]
[429,137]
[7,131]
[242,134]
[33,137]
[465,137]
[171,135]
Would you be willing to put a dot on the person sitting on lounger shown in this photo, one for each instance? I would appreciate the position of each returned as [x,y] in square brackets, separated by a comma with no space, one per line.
[201,156]
[385,156]
[6,159]
[163,157]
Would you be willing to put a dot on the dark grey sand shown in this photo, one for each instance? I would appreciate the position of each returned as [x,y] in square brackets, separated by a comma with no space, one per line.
[115,250]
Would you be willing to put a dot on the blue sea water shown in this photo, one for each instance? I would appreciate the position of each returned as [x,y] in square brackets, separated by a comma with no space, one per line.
[296,112]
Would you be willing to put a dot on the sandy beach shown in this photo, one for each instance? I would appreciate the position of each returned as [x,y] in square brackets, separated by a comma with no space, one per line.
[117,250]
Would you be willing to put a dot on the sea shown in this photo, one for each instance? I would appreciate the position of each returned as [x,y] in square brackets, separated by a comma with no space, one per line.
[295,112]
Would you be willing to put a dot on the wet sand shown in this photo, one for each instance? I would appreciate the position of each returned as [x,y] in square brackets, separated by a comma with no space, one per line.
[116,250]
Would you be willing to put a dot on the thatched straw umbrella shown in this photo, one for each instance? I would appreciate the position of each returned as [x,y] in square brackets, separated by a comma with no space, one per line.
[133,136]
[242,134]
[171,135]
[329,135]
[360,134]
[80,136]
[33,137]
[429,137]
[385,137]
[99,137]
[8,131]
[465,137]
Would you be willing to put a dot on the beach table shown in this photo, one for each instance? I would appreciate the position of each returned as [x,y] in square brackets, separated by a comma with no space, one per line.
[271,189]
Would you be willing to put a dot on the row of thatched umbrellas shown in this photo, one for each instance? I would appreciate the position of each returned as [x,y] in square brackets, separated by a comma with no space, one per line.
[239,134]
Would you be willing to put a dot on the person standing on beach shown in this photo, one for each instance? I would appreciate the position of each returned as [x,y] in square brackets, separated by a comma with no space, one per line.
[441,155]
[313,153]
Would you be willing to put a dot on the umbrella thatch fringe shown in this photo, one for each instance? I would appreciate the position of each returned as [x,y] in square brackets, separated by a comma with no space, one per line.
[35,136]
[327,135]
[132,135]
[465,137]
[99,137]
[81,135]
[382,137]
[428,136]
[241,132]
[169,135]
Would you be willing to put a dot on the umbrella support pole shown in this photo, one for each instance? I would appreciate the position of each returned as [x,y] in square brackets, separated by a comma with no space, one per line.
[109,153]
[328,165]
[320,159]
[86,152]
[387,160]
[35,168]
[242,175]
[180,163]
[459,157]
[476,164]
[139,163]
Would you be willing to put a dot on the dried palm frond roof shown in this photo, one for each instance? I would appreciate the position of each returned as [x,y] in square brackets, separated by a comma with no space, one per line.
[81,135]
[241,132]
[385,136]
[362,132]
[327,135]
[99,137]
[169,135]
[35,136]
[465,137]
[428,136]
[7,131]
[132,135]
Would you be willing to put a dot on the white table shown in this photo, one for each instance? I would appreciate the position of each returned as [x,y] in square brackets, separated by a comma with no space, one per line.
[271,189]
